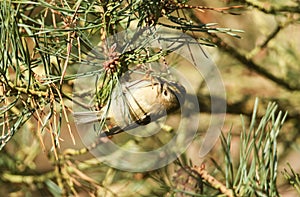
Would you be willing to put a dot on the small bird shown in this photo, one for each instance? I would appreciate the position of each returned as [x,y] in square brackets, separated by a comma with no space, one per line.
[137,103]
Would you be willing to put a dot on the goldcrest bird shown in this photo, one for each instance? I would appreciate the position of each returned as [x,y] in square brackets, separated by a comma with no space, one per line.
[137,103]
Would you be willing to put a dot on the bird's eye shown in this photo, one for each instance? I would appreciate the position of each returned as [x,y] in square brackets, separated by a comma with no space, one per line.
[165,93]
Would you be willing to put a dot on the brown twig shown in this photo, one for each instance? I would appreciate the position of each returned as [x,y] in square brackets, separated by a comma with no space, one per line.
[203,8]
[212,181]
[272,9]
[250,64]
[246,59]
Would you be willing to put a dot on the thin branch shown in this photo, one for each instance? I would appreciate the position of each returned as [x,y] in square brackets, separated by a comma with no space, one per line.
[246,59]
[28,179]
[27,90]
[213,181]
[262,46]
[269,38]
[250,64]
[272,9]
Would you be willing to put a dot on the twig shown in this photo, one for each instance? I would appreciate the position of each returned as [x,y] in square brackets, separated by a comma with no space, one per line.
[246,59]
[269,38]
[26,90]
[29,179]
[272,9]
[250,64]
[212,181]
